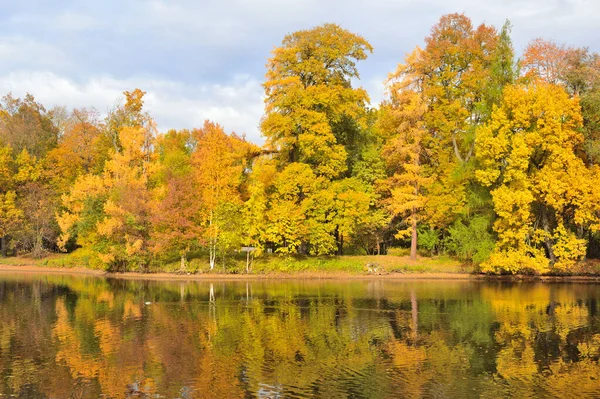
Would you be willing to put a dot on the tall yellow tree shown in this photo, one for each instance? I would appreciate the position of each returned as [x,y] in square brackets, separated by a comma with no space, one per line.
[311,108]
[401,123]
[126,224]
[110,213]
[219,162]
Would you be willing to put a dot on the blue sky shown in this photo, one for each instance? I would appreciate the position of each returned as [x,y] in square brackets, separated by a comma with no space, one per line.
[202,60]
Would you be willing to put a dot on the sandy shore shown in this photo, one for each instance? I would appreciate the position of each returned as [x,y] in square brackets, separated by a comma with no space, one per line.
[298,275]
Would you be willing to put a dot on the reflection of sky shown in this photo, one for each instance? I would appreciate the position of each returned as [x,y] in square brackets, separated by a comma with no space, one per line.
[200,60]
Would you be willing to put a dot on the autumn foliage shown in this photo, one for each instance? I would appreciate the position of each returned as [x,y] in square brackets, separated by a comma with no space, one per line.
[472,153]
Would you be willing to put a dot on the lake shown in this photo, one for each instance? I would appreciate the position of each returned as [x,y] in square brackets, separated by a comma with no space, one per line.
[64,336]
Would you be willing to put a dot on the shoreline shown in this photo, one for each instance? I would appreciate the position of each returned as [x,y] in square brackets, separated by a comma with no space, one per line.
[163,276]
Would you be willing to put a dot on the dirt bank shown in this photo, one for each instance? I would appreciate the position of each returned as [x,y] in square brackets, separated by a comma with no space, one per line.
[296,275]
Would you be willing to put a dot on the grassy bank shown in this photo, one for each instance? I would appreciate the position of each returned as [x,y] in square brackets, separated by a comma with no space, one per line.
[398,262]
[385,264]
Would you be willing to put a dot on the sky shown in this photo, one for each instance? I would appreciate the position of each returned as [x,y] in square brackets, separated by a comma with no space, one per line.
[201,60]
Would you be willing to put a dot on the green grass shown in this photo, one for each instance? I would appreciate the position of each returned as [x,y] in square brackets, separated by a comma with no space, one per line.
[398,262]
[358,264]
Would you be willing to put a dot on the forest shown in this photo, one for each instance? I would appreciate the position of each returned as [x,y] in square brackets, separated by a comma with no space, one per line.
[476,152]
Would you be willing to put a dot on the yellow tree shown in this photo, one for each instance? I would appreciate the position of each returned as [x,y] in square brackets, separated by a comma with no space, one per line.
[36,202]
[219,162]
[110,214]
[578,71]
[126,224]
[256,224]
[542,192]
[401,123]
[312,112]
[10,214]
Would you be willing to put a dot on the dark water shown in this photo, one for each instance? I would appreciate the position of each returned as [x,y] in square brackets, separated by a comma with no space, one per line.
[83,337]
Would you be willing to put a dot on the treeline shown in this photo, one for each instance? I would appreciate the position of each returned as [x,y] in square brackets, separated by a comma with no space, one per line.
[475,152]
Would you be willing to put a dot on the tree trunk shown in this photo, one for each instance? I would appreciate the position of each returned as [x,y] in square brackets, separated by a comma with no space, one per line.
[212,256]
[413,239]
[247,262]
[182,264]
[38,247]
[341,245]
[212,246]
[3,246]
[548,240]
[413,216]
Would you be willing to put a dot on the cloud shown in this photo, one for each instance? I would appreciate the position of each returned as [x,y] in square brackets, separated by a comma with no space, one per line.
[201,59]
[23,52]
[236,105]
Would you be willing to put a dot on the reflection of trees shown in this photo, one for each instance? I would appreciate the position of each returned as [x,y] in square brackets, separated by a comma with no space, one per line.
[87,338]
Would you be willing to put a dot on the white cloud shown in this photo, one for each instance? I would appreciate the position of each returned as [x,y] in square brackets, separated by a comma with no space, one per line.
[22,52]
[203,59]
[237,105]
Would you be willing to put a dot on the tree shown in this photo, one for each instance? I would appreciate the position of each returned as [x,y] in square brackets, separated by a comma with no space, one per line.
[37,227]
[36,204]
[578,71]
[457,76]
[82,148]
[25,125]
[129,114]
[542,192]
[545,60]
[373,233]
[312,113]
[126,224]
[350,209]
[289,203]
[401,121]
[255,211]
[176,219]
[449,73]
[219,161]
[9,213]
[110,214]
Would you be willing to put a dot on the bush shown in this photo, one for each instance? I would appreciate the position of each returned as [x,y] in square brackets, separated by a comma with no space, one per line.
[473,243]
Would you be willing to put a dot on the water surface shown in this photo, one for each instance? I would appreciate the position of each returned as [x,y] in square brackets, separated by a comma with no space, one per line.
[87,337]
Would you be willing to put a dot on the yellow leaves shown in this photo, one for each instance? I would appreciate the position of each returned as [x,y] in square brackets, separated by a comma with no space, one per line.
[107,258]
[114,220]
[28,168]
[86,187]
[66,221]
[6,173]
[527,152]
[10,214]
[567,248]
[308,91]
[133,246]
[521,259]
[297,180]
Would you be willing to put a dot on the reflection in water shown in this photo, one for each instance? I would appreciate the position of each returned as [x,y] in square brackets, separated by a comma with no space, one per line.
[81,337]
